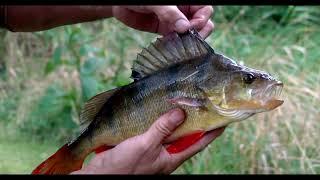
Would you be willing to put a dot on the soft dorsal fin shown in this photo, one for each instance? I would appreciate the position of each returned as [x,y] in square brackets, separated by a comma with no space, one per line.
[169,50]
[93,106]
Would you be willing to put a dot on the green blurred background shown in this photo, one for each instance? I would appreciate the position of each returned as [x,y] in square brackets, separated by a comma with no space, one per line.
[45,77]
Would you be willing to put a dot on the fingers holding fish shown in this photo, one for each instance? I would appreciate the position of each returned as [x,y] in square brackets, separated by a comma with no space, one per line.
[164,126]
[198,11]
[207,29]
[170,19]
[141,154]
[201,20]
[185,17]
[166,19]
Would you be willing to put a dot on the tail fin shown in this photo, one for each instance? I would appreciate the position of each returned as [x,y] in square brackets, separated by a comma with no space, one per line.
[62,162]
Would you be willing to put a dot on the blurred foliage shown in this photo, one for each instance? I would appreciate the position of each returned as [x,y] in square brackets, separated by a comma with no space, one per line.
[45,77]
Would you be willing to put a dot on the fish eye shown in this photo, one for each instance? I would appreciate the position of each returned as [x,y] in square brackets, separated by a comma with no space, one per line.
[248,78]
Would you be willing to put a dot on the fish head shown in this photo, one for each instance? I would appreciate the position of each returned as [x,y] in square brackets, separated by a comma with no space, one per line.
[239,91]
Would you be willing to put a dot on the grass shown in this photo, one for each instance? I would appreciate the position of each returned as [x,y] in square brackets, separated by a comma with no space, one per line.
[49,75]
[22,156]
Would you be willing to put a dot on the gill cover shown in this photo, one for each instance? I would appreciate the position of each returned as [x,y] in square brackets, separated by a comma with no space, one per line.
[237,114]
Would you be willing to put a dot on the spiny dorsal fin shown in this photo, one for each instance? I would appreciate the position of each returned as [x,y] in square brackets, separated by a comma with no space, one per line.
[169,50]
[93,106]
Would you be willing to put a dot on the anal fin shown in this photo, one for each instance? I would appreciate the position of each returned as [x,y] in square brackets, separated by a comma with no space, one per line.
[184,142]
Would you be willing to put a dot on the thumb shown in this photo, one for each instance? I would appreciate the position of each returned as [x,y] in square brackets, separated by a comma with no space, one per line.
[172,18]
[164,126]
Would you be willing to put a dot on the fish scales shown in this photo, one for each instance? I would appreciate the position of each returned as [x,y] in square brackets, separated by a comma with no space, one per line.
[144,104]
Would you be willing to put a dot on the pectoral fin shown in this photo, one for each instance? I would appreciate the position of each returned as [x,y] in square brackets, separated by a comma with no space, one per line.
[193,102]
[184,142]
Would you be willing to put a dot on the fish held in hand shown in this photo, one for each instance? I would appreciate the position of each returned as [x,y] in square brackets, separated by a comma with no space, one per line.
[177,70]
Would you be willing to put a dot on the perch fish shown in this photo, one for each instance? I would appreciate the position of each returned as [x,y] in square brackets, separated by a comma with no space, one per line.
[177,70]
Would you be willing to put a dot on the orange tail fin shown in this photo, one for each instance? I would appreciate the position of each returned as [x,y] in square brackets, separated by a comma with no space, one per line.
[62,162]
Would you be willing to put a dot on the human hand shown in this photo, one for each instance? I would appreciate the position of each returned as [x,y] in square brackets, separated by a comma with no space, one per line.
[145,153]
[165,19]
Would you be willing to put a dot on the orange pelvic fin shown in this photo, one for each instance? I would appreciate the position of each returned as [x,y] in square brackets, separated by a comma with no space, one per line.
[62,162]
[102,149]
[184,142]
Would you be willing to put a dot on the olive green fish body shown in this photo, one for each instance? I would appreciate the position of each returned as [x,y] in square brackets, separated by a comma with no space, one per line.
[133,108]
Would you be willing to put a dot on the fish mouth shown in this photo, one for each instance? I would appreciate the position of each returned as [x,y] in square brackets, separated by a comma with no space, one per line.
[270,96]
[262,98]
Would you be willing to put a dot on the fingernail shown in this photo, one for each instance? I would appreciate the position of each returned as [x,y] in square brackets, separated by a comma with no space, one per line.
[182,25]
[176,116]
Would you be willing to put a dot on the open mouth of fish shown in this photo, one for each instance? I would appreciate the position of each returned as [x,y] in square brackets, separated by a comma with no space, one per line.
[269,97]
